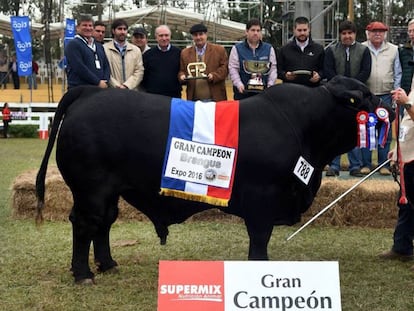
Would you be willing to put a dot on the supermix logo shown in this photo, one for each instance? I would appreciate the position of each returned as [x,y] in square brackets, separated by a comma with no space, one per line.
[189,286]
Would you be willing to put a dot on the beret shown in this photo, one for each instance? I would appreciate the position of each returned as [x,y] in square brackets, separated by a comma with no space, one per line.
[198,28]
[377,26]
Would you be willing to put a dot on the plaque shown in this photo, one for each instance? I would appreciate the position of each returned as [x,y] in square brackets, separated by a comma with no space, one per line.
[196,71]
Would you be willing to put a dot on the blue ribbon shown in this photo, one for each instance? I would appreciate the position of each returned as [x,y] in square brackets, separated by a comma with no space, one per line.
[372,121]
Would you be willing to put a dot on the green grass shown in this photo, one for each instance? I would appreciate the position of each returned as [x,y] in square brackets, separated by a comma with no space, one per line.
[34,263]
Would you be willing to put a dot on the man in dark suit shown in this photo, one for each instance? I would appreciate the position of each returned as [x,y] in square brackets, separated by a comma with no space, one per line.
[14,72]
[211,85]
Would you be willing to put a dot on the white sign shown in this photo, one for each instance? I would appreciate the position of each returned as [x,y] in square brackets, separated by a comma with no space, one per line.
[282,285]
[303,170]
[200,163]
[248,285]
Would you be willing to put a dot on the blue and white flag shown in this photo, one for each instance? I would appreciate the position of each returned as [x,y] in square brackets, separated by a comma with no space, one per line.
[70,30]
[23,44]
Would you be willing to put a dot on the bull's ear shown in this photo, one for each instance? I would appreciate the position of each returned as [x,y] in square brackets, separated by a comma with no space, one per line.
[347,89]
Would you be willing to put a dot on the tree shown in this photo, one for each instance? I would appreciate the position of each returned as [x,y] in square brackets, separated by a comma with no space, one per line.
[93,7]
[10,7]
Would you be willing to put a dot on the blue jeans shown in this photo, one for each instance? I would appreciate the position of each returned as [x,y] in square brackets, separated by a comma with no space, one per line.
[404,230]
[32,81]
[354,158]
[4,79]
[382,152]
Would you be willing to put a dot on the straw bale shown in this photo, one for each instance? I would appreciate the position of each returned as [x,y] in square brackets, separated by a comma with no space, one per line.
[371,204]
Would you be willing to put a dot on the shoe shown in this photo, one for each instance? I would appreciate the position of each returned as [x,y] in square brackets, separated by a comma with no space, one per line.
[391,255]
[331,173]
[356,173]
[365,170]
[385,171]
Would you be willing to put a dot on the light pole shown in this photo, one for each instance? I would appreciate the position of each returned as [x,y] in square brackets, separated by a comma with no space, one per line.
[351,10]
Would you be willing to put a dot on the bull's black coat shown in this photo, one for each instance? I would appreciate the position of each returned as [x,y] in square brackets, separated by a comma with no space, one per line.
[112,142]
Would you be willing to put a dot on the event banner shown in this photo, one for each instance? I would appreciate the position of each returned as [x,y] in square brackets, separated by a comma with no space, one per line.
[23,44]
[70,30]
[248,285]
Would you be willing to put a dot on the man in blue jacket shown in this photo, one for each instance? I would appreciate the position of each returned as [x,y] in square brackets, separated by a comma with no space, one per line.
[86,61]
[251,49]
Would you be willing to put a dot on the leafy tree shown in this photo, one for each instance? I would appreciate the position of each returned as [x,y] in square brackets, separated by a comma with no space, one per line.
[93,7]
[10,7]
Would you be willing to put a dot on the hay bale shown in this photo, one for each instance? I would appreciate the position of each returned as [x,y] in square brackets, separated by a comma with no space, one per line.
[58,198]
[372,204]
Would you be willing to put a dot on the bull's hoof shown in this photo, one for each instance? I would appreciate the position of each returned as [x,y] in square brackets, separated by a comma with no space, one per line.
[113,270]
[110,268]
[86,282]
[163,240]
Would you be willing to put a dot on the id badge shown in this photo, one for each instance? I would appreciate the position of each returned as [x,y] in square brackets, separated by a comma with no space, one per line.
[97,64]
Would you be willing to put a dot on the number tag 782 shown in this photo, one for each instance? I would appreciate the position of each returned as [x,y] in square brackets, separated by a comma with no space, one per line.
[303,170]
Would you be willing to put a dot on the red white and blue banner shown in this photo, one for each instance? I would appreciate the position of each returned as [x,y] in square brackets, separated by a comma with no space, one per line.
[201,151]
[23,44]
[248,285]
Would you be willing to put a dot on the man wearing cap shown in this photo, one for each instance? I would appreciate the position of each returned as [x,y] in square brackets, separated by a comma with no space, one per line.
[407,59]
[212,86]
[162,64]
[124,58]
[251,49]
[385,76]
[140,39]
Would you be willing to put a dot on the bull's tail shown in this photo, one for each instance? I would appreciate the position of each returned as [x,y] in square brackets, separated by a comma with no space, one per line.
[64,103]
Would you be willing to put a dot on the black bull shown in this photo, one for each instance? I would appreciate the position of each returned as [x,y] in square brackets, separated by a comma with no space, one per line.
[112,143]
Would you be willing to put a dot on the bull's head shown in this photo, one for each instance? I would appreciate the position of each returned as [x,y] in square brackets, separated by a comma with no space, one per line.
[356,95]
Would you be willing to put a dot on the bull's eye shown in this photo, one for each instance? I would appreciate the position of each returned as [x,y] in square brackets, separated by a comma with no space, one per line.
[352,100]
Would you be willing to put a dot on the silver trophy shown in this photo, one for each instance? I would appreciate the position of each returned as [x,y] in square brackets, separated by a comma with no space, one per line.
[257,69]
[196,71]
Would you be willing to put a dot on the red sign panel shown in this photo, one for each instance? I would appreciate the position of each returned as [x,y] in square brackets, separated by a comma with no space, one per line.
[191,285]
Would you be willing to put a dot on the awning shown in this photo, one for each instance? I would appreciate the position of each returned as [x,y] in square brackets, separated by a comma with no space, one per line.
[177,19]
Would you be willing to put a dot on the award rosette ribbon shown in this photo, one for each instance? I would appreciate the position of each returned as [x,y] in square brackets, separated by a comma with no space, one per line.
[383,116]
[257,69]
[196,71]
[372,137]
[362,120]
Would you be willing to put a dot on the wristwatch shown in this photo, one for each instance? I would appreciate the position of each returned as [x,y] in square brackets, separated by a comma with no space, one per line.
[408,105]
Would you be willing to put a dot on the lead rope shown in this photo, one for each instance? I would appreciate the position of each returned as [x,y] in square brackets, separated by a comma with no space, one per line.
[403,198]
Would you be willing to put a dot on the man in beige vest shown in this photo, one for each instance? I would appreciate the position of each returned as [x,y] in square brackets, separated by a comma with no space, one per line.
[385,76]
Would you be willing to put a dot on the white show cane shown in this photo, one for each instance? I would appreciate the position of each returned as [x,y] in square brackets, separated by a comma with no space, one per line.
[336,200]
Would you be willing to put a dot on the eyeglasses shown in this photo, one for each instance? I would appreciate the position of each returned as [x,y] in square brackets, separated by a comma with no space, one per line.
[410,31]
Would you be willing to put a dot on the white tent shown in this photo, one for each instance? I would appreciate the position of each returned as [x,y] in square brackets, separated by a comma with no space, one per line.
[178,19]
